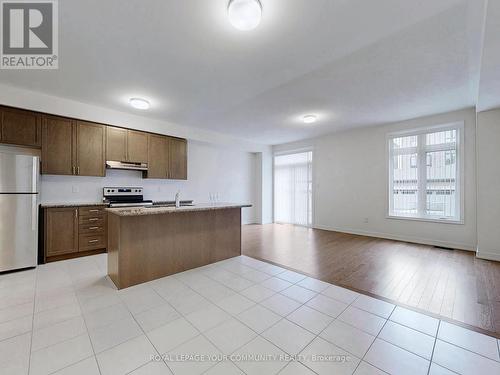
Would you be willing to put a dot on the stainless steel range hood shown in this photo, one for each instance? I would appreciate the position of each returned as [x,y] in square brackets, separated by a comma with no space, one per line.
[126,165]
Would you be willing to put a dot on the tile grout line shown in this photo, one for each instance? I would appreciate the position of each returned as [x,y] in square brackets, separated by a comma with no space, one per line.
[17,317]
[416,309]
[88,333]
[33,320]
[435,337]
[83,317]
[235,317]
[432,357]
[183,317]
[140,327]
[323,330]
[147,337]
[302,304]
[217,325]
[373,342]
[434,347]
[214,302]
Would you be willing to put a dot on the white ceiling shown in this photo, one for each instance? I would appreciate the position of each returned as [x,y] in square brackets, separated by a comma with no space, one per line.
[351,62]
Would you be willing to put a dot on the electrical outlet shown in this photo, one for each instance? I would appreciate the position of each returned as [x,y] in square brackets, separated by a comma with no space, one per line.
[76,189]
[365,220]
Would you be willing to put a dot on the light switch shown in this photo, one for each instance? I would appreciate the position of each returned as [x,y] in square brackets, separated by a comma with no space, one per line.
[76,189]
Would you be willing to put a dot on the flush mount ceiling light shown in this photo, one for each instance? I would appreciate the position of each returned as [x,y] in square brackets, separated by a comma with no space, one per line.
[139,103]
[309,119]
[244,14]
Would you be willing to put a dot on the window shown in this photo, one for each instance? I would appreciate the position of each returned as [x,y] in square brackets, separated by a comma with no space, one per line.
[425,180]
[293,188]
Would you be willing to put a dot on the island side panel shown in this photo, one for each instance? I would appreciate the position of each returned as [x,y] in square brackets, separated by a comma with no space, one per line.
[227,234]
[113,248]
[154,246]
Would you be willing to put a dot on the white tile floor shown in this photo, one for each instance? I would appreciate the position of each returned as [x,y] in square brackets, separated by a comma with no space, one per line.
[68,318]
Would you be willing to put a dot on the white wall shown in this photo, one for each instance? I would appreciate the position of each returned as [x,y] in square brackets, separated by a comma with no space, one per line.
[211,169]
[264,179]
[350,184]
[488,184]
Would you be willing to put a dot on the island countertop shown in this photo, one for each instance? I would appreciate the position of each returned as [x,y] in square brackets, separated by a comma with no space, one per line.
[152,210]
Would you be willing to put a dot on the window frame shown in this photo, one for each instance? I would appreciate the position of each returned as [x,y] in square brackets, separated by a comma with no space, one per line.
[422,162]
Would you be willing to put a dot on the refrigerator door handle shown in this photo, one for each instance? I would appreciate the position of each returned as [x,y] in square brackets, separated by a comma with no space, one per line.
[34,216]
[34,180]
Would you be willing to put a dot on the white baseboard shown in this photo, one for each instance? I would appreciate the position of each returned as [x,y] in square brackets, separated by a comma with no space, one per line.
[489,255]
[423,241]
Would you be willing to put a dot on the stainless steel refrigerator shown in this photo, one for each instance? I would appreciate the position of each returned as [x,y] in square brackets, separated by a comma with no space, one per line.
[18,211]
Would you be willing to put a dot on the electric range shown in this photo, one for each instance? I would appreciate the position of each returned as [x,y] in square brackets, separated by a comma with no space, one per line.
[125,197]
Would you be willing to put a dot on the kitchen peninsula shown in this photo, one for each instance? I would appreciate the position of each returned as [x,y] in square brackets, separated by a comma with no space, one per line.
[147,243]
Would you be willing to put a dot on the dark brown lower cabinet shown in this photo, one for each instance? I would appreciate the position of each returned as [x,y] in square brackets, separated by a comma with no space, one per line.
[61,231]
[74,231]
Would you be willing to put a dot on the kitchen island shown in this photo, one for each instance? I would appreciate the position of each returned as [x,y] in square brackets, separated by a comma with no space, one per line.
[148,243]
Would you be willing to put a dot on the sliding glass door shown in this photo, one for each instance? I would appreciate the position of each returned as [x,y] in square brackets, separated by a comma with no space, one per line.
[293,188]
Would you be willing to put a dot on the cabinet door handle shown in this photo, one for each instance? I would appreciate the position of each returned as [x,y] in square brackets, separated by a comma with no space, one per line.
[76,213]
[74,170]
[94,219]
[93,210]
[77,170]
[93,228]
[93,241]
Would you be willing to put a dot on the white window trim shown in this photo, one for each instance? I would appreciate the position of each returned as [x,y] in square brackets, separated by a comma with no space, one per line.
[460,126]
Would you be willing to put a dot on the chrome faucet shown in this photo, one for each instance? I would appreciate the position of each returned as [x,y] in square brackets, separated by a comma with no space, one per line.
[177,199]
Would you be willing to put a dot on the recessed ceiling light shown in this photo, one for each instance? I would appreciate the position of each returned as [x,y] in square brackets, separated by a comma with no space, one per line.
[244,14]
[139,103]
[309,119]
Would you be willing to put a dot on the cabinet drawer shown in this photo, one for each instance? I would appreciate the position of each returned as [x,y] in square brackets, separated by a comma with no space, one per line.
[93,220]
[92,211]
[91,229]
[91,242]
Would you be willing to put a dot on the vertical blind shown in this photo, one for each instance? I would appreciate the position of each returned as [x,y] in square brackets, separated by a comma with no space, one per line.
[424,175]
[293,188]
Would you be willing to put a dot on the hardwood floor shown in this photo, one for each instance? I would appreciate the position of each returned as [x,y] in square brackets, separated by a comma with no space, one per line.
[453,284]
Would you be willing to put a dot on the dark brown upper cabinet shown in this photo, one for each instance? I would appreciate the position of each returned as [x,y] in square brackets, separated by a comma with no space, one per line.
[75,147]
[19,127]
[126,145]
[158,156]
[177,159]
[90,149]
[72,147]
[137,146]
[58,146]
[116,144]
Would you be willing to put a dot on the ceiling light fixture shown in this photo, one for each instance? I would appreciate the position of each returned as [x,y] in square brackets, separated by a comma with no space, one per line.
[244,14]
[309,119]
[139,103]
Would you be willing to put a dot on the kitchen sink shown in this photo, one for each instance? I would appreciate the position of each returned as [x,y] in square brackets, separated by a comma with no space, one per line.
[169,205]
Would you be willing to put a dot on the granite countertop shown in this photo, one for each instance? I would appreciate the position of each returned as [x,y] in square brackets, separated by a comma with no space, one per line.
[141,211]
[72,204]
